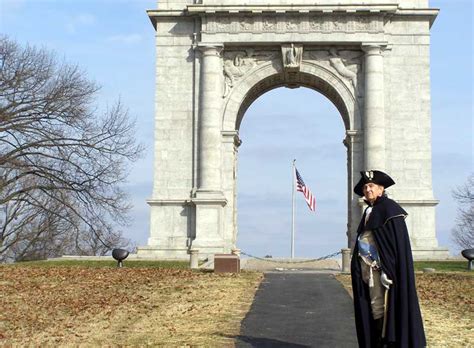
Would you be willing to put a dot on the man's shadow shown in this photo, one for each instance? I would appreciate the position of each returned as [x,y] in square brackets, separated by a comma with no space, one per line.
[245,341]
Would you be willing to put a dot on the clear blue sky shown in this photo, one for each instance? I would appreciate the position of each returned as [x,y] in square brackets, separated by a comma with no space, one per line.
[113,41]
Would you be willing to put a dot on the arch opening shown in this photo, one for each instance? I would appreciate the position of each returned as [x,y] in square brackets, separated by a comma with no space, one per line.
[282,124]
[336,91]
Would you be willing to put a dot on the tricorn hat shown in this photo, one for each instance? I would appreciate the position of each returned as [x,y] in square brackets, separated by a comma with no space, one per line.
[375,176]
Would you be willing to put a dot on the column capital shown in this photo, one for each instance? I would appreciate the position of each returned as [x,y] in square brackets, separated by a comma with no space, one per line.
[373,48]
[231,137]
[352,136]
[352,133]
[210,49]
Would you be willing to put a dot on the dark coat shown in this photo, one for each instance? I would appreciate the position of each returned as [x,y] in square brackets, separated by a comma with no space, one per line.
[404,323]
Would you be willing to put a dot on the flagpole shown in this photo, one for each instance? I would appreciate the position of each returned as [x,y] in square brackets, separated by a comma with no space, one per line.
[293,212]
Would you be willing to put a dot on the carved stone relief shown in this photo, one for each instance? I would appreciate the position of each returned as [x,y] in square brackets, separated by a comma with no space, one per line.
[269,23]
[346,63]
[238,63]
[343,62]
[246,23]
[346,66]
[222,24]
[303,23]
[291,56]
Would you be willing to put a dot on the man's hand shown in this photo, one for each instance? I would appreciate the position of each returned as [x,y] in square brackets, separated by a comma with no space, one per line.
[385,281]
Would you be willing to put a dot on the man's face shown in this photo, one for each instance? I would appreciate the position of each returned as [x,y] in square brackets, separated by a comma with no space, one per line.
[372,191]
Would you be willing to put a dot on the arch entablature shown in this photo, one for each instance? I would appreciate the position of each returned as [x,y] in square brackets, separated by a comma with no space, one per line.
[270,75]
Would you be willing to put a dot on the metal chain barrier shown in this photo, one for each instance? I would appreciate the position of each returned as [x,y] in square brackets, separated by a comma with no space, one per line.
[293,262]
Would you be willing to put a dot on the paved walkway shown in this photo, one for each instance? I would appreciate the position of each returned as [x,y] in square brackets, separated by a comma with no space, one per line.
[299,309]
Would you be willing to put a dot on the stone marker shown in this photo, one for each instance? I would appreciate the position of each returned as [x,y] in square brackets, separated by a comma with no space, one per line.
[429,270]
[226,263]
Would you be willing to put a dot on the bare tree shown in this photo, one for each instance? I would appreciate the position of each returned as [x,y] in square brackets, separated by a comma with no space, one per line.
[61,160]
[463,232]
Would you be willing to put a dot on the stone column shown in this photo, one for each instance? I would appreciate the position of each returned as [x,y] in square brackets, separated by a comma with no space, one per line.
[209,198]
[354,144]
[230,146]
[209,152]
[374,116]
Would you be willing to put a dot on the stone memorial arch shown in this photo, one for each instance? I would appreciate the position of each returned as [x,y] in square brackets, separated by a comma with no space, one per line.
[214,58]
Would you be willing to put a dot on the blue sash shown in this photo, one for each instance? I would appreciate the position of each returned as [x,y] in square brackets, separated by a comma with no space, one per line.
[368,251]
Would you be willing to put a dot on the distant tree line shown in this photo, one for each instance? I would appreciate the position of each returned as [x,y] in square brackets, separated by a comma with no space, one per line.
[62,161]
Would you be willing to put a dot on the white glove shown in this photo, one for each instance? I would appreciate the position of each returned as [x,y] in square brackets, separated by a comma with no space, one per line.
[385,281]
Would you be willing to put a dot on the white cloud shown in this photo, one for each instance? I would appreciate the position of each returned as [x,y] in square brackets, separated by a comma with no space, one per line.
[80,20]
[127,39]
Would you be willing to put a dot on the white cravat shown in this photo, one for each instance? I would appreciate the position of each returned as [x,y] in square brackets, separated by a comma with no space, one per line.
[367,214]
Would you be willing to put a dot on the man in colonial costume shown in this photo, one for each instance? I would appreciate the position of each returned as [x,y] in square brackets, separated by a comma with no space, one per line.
[386,306]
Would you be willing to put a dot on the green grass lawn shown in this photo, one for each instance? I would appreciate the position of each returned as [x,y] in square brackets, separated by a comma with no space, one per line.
[443,266]
[107,264]
[439,266]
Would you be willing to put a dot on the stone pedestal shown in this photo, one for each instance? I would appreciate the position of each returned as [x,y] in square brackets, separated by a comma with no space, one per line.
[193,258]
[346,260]
[209,237]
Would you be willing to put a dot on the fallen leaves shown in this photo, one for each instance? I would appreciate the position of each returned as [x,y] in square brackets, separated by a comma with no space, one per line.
[146,306]
[447,305]
[77,305]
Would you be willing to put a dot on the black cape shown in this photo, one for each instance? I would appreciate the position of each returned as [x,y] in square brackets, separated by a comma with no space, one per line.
[404,323]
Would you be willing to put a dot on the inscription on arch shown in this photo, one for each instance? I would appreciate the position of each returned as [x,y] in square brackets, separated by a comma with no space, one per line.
[293,23]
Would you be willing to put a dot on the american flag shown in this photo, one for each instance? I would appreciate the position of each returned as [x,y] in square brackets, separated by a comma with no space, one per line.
[300,186]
